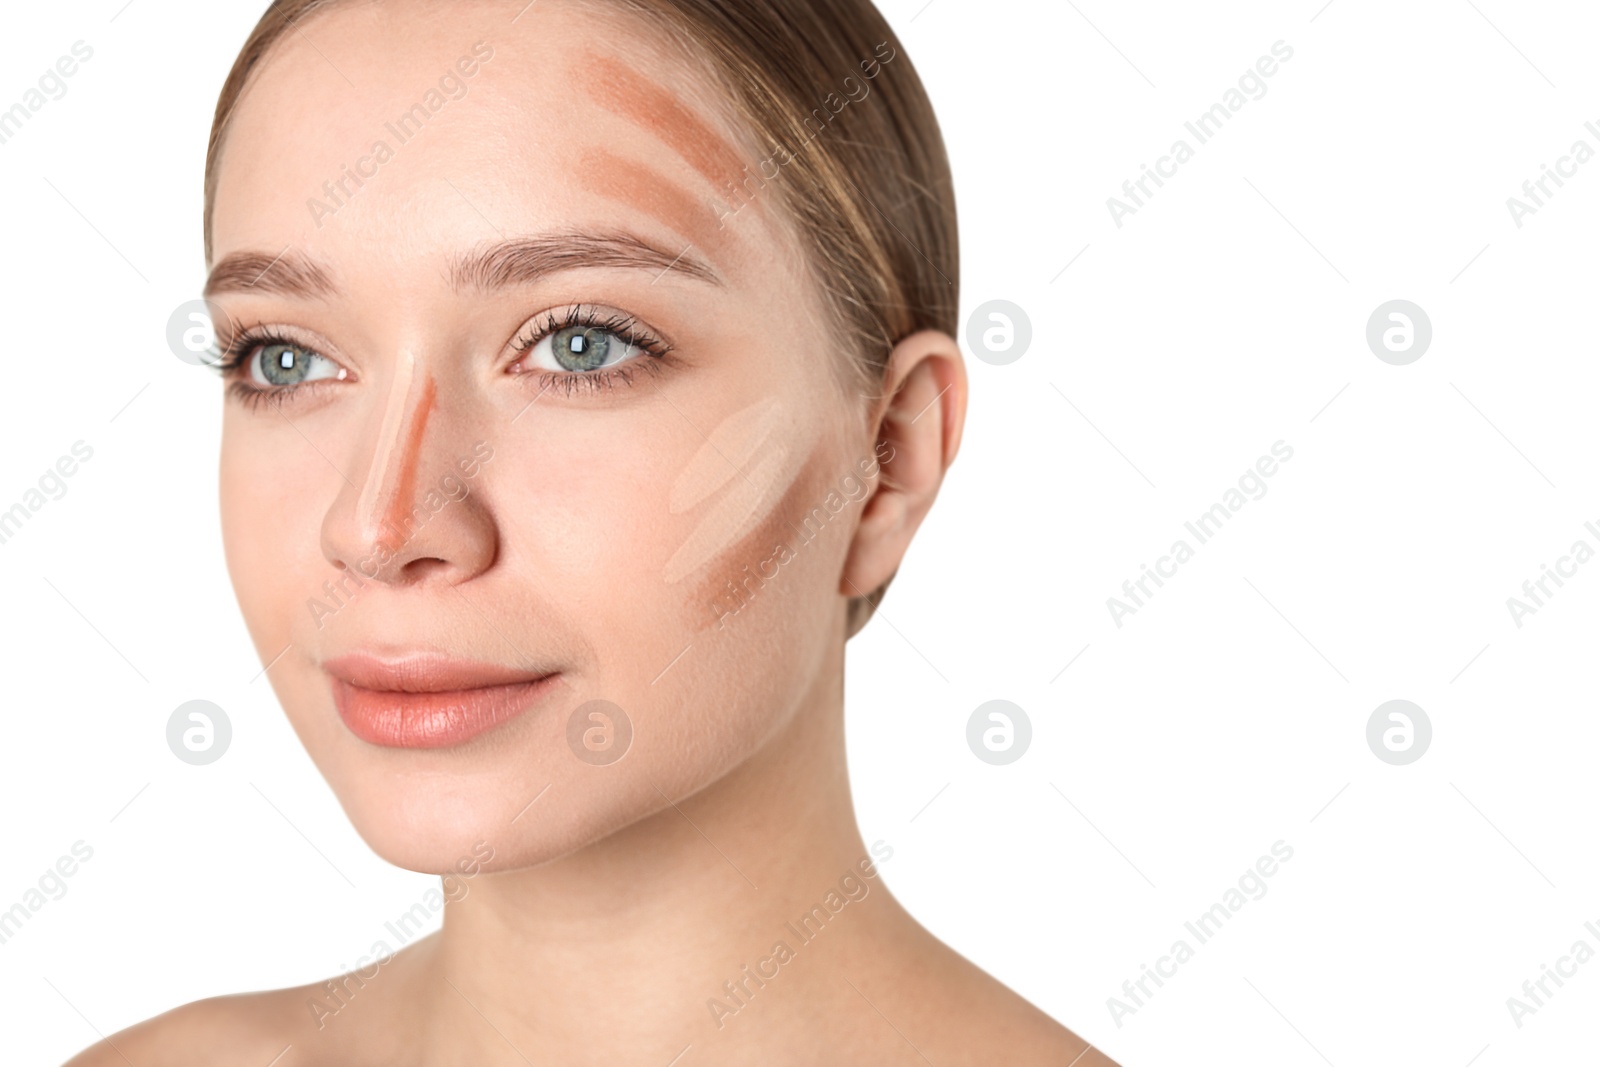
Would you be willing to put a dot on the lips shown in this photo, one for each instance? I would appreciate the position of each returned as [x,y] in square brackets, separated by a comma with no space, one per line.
[427,700]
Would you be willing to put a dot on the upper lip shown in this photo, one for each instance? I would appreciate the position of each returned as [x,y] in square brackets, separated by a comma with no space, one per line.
[424,672]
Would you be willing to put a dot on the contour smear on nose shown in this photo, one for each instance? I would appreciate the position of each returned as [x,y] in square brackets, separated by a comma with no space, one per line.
[390,486]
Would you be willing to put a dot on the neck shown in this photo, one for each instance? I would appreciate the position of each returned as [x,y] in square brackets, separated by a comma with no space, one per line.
[631,943]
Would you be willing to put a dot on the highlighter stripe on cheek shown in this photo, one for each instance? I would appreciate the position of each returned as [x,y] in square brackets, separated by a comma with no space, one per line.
[740,459]
[743,570]
[391,481]
[729,448]
[745,504]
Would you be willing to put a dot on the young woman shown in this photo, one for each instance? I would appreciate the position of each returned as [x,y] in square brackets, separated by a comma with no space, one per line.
[590,366]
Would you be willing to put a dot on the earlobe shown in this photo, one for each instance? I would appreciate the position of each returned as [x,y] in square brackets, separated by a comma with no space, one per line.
[917,432]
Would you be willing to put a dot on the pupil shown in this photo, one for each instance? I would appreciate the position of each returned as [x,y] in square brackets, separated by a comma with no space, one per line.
[283,365]
[582,348]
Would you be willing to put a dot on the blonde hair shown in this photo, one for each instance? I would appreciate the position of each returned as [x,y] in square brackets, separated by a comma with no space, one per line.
[864,178]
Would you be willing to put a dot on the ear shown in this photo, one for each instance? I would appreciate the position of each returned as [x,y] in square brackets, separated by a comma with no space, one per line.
[917,430]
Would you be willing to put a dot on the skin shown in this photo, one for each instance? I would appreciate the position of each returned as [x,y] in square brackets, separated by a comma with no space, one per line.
[605,905]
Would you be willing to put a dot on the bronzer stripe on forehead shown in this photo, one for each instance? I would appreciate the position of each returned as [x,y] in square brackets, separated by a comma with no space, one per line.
[636,185]
[629,94]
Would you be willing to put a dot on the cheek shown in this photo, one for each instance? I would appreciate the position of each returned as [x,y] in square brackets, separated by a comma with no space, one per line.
[775,561]
[753,626]
[635,537]
[271,532]
[584,524]
[245,517]
[734,501]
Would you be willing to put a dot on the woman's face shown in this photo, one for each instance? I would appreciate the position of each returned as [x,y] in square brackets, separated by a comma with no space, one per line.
[526,415]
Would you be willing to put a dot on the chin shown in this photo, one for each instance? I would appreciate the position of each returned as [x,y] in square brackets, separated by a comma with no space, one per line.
[542,784]
[523,805]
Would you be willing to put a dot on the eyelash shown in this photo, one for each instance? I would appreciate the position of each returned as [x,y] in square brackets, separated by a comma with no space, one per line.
[240,349]
[629,329]
[243,346]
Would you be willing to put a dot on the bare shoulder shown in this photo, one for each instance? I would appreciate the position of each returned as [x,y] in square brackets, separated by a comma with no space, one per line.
[244,1029]
[969,1017]
[989,1020]
[349,1020]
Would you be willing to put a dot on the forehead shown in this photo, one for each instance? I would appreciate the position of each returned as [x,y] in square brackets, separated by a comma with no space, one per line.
[406,131]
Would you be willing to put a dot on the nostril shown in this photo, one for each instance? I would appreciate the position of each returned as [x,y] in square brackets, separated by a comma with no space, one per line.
[438,531]
[419,570]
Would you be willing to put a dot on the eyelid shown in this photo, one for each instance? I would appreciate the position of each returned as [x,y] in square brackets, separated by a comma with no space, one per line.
[657,353]
[240,347]
[603,316]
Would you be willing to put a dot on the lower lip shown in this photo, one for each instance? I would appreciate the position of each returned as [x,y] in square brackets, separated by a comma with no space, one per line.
[432,720]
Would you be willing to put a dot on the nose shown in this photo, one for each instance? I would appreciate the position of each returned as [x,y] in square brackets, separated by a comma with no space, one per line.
[412,517]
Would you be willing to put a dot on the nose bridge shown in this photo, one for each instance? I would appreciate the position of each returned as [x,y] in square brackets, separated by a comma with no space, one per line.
[390,486]
[409,520]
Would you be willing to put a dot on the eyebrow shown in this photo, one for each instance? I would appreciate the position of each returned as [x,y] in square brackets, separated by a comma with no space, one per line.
[289,273]
[521,260]
[516,261]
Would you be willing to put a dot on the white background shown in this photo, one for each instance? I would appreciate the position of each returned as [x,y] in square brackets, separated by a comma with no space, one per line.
[1227,714]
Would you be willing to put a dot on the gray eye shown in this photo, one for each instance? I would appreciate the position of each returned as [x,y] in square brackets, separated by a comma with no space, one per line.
[281,364]
[581,348]
[584,346]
